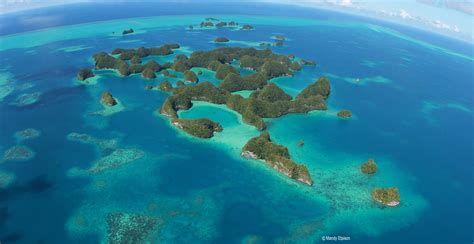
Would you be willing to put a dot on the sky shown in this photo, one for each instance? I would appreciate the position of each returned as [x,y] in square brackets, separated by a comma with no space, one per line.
[453,18]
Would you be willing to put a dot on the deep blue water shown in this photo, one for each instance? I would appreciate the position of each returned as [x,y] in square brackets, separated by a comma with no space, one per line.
[433,149]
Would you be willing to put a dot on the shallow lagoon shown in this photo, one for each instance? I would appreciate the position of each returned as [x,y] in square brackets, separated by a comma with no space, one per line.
[202,189]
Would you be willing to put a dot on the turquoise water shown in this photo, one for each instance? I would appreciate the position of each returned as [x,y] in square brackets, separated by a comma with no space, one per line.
[412,105]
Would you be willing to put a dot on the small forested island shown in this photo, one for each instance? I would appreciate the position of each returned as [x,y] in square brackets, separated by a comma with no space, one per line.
[206,24]
[247,27]
[386,196]
[277,156]
[126,32]
[279,37]
[221,24]
[190,76]
[202,128]
[213,22]
[165,86]
[108,99]
[344,113]
[307,62]
[84,73]
[369,167]
[221,39]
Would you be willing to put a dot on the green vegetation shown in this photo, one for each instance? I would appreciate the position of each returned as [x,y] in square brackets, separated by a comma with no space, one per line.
[224,70]
[165,86]
[277,156]
[105,61]
[269,101]
[235,82]
[136,59]
[344,113]
[295,66]
[126,32]
[369,167]
[386,196]
[148,73]
[320,87]
[168,74]
[190,76]
[221,39]
[108,99]
[271,93]
[84,73]
[202,128]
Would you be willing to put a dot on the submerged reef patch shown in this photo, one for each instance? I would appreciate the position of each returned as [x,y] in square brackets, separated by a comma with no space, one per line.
[129,228]
[26,99]
[27,134]
[6,179]
[18,153]
[102,144]
[6,84]
[117,158]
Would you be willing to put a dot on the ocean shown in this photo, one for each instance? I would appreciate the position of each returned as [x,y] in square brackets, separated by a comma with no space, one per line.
[410,93]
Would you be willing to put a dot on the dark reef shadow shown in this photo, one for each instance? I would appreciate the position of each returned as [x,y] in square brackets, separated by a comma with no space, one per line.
[36,185]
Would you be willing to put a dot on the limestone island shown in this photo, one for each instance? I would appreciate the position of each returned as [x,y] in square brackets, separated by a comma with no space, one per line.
[279,37]
[84,73]
[190,76]
[165,86]
[307,62]
[344,113]
[277,156]
[206,24]
[221,39]
[126,32]
[386,196]
[221,24]
[108,99]
[202,128]
[247,27]
[369,167]
[266,101]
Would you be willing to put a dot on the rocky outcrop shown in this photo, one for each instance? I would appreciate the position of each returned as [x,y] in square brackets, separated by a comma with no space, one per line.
[344,113]
[389,197]
[126,32]
[221,39]
[369,167]
[277,157]
[108,99]
[84,73]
